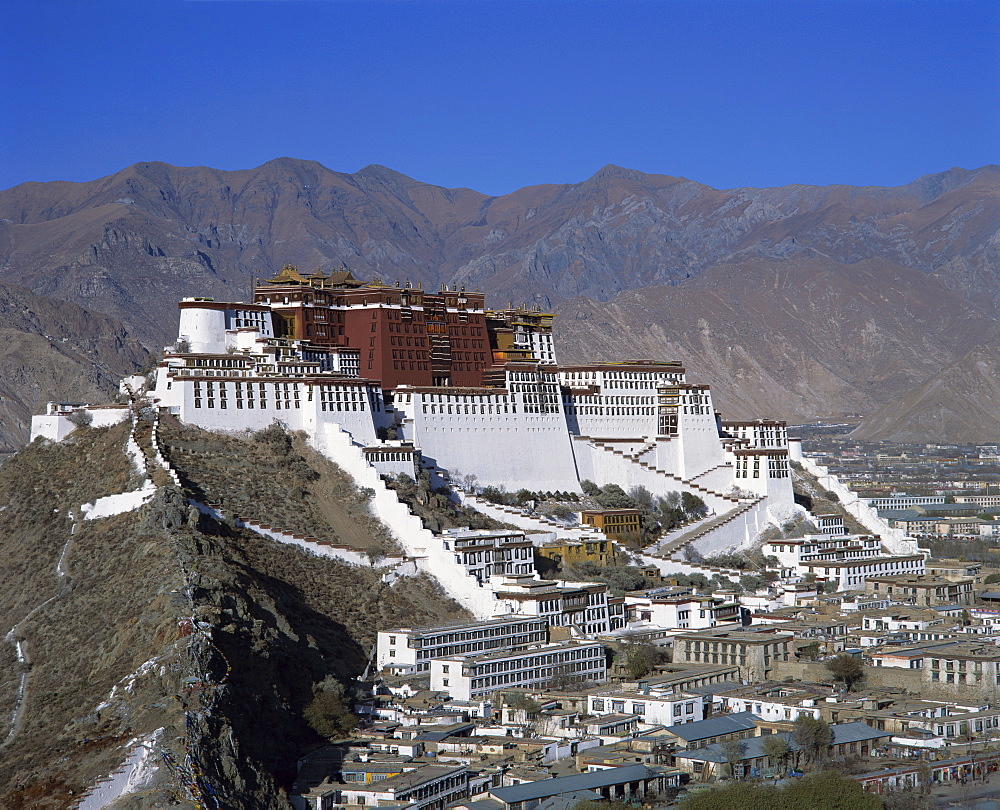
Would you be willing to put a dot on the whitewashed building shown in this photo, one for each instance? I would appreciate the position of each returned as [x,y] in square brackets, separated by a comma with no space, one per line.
[652,708]
[413,648]
[470,677]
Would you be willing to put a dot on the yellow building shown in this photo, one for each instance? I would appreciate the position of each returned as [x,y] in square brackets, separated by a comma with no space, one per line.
[599,552]
[623,525]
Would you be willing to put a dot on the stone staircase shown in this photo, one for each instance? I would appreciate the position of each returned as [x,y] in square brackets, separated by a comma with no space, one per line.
[713,498]
[736,522]
[677,545]
[417,542]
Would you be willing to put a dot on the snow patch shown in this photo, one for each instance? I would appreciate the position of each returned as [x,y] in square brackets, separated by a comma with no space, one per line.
[128,681]
[135,453]
[134,774]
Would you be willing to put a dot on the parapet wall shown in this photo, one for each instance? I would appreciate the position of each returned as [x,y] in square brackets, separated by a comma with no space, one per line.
[895,540]
[408,530]
[518,450]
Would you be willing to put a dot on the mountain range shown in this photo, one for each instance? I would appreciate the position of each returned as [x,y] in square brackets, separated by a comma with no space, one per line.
[798,302]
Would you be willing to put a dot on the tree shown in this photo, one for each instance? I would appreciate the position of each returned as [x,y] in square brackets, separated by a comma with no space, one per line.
[619,578]
[751,582]
[328,711]
[812,735]
[733,751]
[824,791]
[776,749]
[613,496]
[641,659]
[81,418]
[559,511]
[845,667]
[810,650]
[642,496]
[693,506]
[905,798]
[589,488]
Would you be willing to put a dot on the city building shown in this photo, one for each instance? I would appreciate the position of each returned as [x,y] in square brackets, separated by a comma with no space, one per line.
[414,648]
[923,590]
[583,605]
[753,653]
[622,525]
[473,676]
[485,553]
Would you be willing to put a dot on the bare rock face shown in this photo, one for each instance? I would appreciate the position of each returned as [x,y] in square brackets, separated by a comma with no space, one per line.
[960,402]
[129,245]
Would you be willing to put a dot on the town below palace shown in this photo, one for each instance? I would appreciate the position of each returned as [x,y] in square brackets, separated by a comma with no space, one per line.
[560,689]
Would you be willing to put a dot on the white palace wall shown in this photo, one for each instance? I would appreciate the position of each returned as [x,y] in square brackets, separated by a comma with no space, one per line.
[515,450]
[625,422]
[895,540]
[695,449]
[55,425]
[203,329]
[301,406]
[718,478]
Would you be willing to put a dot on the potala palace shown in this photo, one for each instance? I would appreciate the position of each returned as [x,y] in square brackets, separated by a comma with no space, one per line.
[391,379]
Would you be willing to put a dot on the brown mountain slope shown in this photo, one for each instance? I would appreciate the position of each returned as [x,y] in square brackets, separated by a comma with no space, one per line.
[54,350]
[801,339]
[130,243]
[961,403]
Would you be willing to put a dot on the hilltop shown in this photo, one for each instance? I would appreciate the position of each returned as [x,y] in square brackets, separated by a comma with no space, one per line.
[622,242]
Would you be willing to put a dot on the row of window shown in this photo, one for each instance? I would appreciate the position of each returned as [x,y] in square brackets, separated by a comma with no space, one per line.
[583,668]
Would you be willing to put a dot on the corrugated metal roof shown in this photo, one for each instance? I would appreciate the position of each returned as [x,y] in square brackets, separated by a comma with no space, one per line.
[715,726]
[565,784]
[753,747]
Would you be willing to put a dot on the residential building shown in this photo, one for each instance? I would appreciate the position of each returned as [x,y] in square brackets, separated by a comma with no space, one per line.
[621,525]
[414,648]
[562,604]
[615,784]
[753,653]
[472,676]
[486,553]
[923,590]
[651,706]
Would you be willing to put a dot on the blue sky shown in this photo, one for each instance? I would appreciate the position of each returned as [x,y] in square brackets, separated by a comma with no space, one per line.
[498,95]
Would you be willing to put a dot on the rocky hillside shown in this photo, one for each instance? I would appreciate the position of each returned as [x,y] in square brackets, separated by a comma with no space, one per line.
[55,350]
[804,339]
[167,635]
[960,402]
[130,244]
